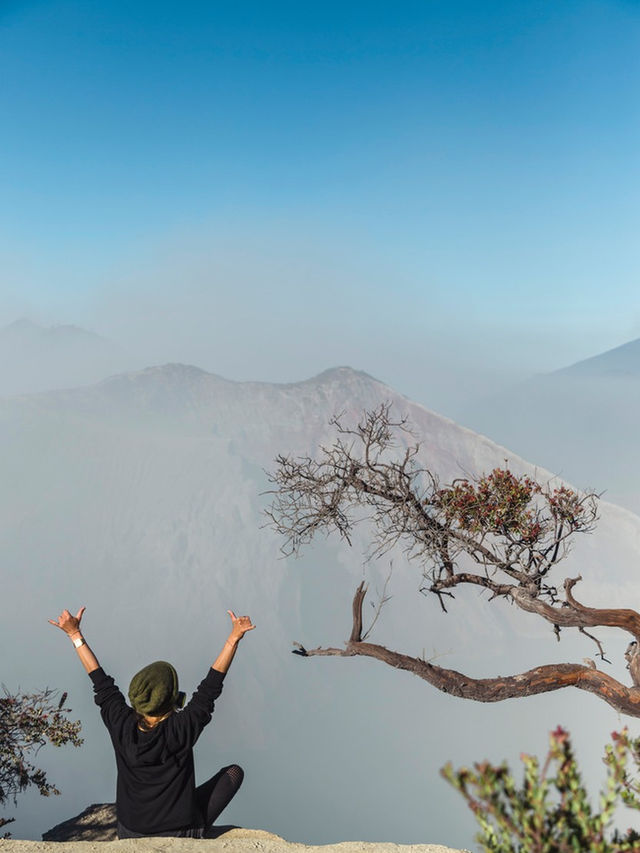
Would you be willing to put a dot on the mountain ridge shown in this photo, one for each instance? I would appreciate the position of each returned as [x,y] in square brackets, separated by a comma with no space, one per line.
[580,421]
[189,383]
[23,326]
[35,358]
[621,361]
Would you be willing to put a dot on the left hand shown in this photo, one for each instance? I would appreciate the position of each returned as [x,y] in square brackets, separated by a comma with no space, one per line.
[240,625]
[68,623]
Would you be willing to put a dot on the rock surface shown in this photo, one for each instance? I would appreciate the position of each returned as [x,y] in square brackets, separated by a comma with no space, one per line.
[235,840]
[96,823]
[94,831]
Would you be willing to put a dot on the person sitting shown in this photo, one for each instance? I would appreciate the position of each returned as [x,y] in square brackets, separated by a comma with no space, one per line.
[156,794]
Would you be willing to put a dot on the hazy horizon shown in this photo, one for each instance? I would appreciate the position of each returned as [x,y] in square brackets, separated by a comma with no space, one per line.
[440,194]
[453,392]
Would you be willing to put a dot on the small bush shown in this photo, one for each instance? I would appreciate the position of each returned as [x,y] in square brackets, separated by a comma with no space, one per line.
[27,722]
[551,811]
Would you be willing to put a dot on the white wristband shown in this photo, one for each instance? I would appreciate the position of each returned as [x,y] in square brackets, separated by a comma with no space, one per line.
[79,641]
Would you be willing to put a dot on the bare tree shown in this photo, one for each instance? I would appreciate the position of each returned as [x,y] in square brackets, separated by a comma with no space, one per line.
[501,532]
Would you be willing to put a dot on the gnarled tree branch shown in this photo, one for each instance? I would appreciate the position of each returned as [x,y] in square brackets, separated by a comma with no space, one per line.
[572,614]
[541,679]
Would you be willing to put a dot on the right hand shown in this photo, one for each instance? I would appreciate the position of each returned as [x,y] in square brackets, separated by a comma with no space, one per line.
[240,625]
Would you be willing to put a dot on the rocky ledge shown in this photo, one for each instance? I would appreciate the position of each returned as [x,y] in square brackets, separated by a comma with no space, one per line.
[94,831]
[96,823]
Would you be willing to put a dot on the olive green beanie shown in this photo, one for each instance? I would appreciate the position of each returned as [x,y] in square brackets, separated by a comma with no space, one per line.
[154,690]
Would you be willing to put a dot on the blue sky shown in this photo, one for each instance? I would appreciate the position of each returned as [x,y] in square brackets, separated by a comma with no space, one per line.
[424,190]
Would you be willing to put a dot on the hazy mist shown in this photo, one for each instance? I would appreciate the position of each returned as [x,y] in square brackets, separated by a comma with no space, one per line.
[279,304]
[141,498]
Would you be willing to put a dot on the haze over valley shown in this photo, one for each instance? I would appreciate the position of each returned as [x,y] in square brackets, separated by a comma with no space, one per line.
[580,421]
[142,497]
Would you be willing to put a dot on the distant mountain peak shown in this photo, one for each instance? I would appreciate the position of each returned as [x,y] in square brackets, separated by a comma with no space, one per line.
[341,373]
[21,328]
[36,358]
[172,374]
[337,376]
[178,372]
[26,329]
[621,362]
[22,323]
[174,369]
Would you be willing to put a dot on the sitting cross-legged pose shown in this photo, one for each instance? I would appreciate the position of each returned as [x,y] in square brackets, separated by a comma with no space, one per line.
[153,741]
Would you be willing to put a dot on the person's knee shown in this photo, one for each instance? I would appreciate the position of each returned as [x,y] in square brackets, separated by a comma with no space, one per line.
[236,773]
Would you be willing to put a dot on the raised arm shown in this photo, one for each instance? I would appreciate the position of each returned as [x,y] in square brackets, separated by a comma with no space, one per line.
[239,627]
[71,626]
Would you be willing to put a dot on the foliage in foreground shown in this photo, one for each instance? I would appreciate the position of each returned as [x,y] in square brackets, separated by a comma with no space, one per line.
[551,812]
[27,722]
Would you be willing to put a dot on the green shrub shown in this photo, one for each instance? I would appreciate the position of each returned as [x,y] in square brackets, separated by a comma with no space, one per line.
[551,811]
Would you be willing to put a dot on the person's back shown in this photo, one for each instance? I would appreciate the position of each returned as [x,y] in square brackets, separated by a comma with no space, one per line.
[153,741]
